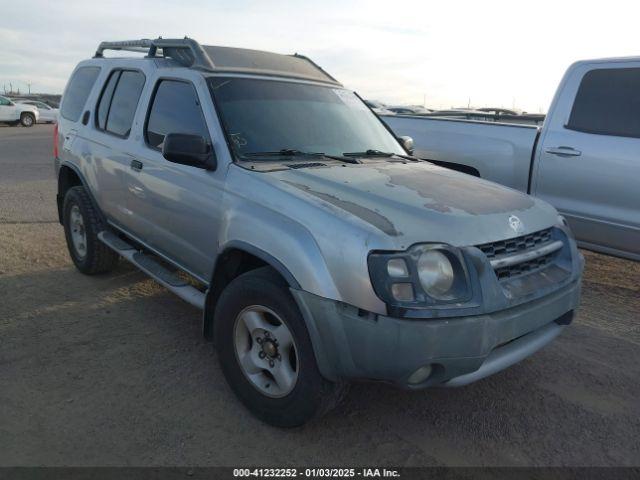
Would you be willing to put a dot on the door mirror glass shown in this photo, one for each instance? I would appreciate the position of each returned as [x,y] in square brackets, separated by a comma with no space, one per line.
[407,143]
[192,150]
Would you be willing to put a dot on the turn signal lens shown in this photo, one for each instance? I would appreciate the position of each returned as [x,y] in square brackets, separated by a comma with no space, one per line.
[397,267]
[55,140]
[403,292]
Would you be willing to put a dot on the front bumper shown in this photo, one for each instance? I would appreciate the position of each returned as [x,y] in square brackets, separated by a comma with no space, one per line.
[353,344]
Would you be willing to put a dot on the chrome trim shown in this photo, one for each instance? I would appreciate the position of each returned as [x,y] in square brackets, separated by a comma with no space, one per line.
[526,256]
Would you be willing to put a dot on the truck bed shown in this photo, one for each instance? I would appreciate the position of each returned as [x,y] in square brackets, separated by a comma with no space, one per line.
[500,152]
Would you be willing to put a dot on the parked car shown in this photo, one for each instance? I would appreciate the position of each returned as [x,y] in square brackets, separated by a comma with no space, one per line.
[317,248]
[585,160]
[378,107]
[500,111]
[409,109]
[17,114]
[48,114]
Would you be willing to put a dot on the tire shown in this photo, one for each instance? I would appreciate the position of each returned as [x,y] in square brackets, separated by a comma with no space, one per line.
[27,119]
[81,227]
[311,394]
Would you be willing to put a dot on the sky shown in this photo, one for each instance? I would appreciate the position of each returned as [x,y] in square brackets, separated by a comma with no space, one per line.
[443,54]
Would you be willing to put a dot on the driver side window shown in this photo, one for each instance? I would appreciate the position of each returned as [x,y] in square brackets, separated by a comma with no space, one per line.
[175,109]
[5,102]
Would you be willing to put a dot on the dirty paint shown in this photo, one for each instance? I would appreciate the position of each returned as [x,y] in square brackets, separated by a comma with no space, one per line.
[372,217]
[447,191]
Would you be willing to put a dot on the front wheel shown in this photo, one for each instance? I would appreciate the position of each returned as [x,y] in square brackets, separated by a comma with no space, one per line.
[266,354]
[27,119]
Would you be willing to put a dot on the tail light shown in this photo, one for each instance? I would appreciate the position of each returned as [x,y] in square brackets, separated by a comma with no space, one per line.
[55,140]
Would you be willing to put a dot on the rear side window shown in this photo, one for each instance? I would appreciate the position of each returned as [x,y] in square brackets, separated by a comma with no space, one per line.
[119,101]
[175,109]
[77,92]
[608,103]
[105,100]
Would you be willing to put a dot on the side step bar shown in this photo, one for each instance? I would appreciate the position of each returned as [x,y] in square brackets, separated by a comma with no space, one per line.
[154,269]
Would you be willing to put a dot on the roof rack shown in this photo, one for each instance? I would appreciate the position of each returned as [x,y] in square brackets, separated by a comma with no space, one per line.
[186,51]
[189,53]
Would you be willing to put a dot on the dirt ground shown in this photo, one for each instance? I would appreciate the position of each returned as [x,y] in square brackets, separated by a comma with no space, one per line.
[113,370]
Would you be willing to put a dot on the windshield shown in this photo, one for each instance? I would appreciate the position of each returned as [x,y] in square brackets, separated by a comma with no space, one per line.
[269,116]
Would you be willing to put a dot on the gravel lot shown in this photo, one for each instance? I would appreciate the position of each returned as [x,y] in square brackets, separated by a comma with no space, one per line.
[112,370]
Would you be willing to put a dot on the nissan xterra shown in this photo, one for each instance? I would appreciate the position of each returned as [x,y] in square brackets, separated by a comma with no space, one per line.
[259,189]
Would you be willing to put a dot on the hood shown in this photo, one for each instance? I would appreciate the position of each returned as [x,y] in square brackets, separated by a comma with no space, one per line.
[418,202]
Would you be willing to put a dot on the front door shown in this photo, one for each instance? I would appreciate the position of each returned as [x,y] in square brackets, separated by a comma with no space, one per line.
[181,205]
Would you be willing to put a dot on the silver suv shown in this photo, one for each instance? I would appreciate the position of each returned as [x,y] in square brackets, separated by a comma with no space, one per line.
[259,189]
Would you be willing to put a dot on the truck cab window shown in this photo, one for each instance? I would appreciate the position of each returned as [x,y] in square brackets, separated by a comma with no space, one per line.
[608,103]
[175,109]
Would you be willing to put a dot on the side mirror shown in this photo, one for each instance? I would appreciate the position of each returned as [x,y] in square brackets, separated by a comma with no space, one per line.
[192,150]
[407,143]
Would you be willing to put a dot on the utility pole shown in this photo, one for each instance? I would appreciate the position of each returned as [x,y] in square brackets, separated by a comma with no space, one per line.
[29,87]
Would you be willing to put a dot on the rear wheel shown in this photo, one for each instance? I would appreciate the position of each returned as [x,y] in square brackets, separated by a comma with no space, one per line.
[27,119]
[266,354]
[81,227]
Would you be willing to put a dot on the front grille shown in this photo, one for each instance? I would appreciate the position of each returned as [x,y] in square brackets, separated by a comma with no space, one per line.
[525,267]
[516,246]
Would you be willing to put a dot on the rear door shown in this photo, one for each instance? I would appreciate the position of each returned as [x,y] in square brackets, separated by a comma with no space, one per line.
[588,160]
[112,143]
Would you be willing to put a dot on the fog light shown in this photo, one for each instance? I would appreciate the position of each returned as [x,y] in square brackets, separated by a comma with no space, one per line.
[403,292]
[420,375]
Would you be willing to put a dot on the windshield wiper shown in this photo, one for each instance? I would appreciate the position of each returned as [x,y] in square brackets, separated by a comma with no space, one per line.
[378,153]
[285,152]
[369,153]
[292,152]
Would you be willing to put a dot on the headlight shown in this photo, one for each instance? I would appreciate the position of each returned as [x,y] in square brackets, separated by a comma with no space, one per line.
[421,276]
[435,273]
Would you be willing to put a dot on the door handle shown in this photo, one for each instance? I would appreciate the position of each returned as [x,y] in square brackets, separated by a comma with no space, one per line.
[564,151]
[136,165]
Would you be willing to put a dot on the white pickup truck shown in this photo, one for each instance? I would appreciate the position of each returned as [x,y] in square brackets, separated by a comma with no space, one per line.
[584,160]
[14,113]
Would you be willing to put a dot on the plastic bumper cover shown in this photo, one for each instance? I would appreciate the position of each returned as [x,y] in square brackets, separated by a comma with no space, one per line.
[349,343]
